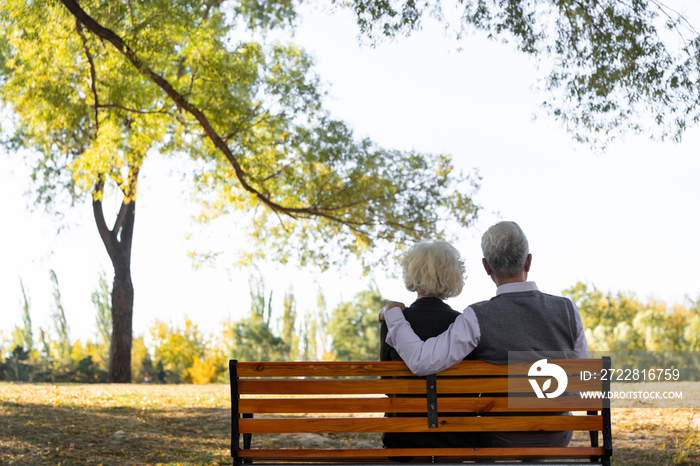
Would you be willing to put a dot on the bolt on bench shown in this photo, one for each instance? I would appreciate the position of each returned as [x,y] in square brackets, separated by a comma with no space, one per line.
[337,397]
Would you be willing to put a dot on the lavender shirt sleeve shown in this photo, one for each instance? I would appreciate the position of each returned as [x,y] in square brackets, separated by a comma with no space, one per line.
[580,344]
[437,353]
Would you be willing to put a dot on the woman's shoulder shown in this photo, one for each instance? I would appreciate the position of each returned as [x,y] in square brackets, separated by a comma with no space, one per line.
[431,304]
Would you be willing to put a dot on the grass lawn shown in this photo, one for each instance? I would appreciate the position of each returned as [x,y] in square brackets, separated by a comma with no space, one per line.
[190,425]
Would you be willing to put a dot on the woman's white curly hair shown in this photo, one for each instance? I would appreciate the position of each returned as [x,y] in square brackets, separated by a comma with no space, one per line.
[433,268]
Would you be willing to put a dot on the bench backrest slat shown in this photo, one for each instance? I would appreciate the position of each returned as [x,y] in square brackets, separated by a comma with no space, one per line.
[413,386]
[409,405]
[397,368]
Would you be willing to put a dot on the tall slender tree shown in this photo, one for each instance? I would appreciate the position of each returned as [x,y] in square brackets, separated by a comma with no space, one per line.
[290,333]
[24,335]
[60,322]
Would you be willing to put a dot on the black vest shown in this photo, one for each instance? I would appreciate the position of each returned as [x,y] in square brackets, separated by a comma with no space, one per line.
[523,321]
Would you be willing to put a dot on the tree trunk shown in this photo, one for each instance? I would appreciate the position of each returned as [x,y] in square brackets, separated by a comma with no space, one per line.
[118,241]
[122,317]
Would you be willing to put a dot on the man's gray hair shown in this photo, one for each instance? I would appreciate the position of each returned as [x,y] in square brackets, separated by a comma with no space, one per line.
[505,249]
[433,268]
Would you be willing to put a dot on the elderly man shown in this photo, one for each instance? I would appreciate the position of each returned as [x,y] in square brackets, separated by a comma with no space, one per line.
[518,318]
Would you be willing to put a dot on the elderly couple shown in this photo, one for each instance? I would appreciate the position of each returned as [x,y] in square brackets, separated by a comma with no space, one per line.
[430,336]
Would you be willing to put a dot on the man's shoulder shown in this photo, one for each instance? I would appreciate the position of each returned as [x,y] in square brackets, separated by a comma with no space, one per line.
[533,294]
[558,298]
[480,304]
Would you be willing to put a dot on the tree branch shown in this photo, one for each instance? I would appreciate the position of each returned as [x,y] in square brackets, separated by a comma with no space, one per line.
[161,82]
[106,235]
[183,103]
[239,126]
[121,216]
[127,233]
[132,110]
[129,199]
[93,74]
[681,18]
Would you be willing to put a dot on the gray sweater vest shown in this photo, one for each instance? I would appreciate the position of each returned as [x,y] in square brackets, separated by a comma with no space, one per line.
[523,321]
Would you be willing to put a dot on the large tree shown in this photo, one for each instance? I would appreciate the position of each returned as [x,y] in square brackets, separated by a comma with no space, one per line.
[610,65]
[90,124]
[95,86]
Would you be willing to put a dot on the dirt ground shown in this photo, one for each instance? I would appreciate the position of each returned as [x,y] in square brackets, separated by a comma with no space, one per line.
[190,425]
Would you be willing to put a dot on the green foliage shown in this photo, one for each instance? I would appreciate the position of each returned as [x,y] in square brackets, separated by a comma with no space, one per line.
[88,371]
[255,341]
[85,365]
[249,113]
[354,327]
[599,309]
[253,338]
[176,349]
[82,116]
[52,357]
[622,323]
[142,367]
[181,355]
[611,65]
[16,366]
[612,322]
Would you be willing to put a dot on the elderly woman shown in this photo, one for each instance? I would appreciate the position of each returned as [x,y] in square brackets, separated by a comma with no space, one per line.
[435,271]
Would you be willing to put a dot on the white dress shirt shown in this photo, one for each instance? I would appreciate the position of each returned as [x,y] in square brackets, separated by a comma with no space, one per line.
[452,346]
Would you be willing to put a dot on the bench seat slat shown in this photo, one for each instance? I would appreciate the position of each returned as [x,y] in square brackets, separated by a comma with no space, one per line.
[395,368]
[408,405]
[417,424]
[380,454]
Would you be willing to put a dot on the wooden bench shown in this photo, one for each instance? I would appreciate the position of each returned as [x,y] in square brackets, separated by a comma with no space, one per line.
[339,397]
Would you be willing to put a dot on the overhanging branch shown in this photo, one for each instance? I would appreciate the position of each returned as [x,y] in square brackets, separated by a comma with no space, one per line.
[133,110]
[93,75]
[113,38]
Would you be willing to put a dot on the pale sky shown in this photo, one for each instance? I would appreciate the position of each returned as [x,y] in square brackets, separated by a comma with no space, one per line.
[624,220]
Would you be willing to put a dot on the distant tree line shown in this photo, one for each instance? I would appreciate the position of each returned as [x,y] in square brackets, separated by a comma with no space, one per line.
[49,355]
[621,322]
[169,353]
